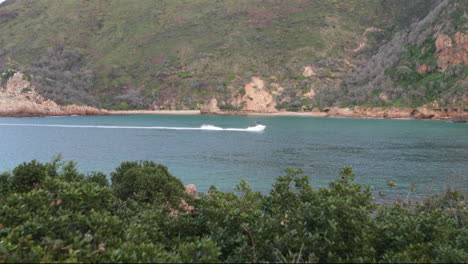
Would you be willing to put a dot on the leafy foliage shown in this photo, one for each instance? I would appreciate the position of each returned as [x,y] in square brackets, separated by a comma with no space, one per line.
[75,218]
[146,182]
[26,175]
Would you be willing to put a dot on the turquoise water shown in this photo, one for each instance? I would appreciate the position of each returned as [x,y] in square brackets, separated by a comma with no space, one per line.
[431,154]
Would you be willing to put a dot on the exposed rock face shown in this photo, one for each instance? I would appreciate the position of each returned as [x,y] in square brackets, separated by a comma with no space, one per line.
[191,190]
[422,113]
[253,97]
[17,87]
[19,98]
[392,113]
[450,52]
[383,97]
[211,107]
[257,98]
[422,68]
[308,71]
[397,113]
[82,110]
[341,112]
[310,94]
[462,118]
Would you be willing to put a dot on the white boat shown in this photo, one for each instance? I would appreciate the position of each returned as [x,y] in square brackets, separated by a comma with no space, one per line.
[258,127]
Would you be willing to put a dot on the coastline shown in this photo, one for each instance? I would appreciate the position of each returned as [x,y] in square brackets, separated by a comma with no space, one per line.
[422,113]
[18,99]
[334,112]
[154,112]
[455,115]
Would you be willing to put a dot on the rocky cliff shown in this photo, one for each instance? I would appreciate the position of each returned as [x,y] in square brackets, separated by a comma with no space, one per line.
[19,98]
[451,51]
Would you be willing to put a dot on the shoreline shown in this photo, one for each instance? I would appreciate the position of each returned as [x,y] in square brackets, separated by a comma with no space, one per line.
[421,113]
[334,112]
[154,112]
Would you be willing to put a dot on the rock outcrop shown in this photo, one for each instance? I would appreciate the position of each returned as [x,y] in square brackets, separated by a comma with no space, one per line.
[252,97]
[257,98]
[396,113]
[18,98]
[211,107]
[308,71]
[191,190]
[461,118]
[451,51]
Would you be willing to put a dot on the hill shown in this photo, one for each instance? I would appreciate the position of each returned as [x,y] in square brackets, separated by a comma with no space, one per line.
[257,55]
[424,64]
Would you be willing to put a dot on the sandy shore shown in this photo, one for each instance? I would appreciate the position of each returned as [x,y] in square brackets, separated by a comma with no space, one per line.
[457,115]
[371,113]
[156,112]
[307,114]
[198,112]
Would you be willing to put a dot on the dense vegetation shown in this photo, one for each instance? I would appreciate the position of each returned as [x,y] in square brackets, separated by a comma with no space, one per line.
[51,212]
[393,76]
[179,54]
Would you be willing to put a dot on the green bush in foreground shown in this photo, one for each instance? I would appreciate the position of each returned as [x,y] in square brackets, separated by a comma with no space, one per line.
[26,175]
[146,181]
[52,213]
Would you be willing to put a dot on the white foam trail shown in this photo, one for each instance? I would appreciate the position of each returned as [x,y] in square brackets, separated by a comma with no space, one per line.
[257,128]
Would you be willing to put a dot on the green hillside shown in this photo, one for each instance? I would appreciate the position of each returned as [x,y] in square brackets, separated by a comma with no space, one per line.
[179,54]
[425,64]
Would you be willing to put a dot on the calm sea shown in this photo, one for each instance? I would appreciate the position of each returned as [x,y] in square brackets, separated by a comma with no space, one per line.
[431,154]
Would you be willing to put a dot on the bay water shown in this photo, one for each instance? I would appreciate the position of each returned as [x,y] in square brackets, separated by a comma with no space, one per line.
[431,154]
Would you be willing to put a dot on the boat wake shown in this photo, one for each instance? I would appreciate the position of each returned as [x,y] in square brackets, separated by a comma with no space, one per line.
[257,128]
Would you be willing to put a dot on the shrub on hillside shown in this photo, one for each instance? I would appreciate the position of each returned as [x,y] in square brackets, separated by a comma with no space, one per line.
[60,74]
[7,15]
